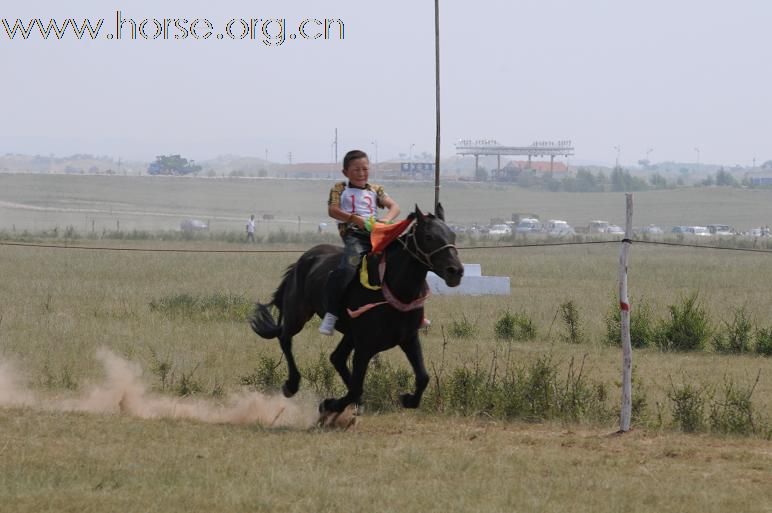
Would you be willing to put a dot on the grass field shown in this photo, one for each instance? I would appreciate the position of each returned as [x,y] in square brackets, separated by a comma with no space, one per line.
[42,202]
[60,452]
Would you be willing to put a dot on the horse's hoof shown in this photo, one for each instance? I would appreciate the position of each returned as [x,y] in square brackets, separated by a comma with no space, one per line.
[408,401]
[327,406]
[344,420]
[288,390]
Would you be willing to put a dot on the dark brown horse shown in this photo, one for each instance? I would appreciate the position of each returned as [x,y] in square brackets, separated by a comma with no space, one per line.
[375,320]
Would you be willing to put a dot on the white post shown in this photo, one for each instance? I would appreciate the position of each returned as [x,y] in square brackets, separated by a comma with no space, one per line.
[624,306]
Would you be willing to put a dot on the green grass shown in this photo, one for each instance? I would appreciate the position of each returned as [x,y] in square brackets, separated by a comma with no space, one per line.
[403,462]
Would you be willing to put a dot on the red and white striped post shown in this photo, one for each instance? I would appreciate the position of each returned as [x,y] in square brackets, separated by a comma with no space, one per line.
[624,306]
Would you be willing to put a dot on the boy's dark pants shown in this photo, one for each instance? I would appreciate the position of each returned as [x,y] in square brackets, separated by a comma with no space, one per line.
[355,244]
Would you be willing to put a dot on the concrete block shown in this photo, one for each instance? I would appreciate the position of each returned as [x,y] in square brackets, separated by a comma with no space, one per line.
[473,283]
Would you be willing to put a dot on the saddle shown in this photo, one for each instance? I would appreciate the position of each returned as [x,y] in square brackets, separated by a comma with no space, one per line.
[369,277]
[381,235]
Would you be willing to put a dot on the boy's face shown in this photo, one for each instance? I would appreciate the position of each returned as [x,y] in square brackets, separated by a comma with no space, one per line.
[357,172]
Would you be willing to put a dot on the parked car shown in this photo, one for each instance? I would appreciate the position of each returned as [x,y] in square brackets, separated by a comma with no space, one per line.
[597,226]
[193,225]
[528,225]
[761,231]
[615,230]
[652,229]
[720,229]
[679,230]
[559,228]
[500,229]
[700,231]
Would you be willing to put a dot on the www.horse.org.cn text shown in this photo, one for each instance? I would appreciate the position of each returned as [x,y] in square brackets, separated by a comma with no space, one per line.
[268,31]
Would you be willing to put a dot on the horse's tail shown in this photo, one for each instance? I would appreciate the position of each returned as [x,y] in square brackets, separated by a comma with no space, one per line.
[262,321]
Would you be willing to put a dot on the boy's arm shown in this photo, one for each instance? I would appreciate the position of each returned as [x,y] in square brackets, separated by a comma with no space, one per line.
[393,209]
[342,216]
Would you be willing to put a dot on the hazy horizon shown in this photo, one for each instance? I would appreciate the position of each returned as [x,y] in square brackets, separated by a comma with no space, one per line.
[682,82]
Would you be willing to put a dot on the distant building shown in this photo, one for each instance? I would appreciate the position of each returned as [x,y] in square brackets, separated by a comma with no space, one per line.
[760,179]
[537,165]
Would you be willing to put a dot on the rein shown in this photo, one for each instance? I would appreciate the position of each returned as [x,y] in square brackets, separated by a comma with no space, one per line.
[396,303]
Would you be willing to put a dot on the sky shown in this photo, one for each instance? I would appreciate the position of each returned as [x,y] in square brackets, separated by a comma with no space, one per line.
[671,80]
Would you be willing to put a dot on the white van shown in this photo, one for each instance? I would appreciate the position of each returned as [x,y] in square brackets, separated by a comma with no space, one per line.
[597,226]
[528,225]
[558,228]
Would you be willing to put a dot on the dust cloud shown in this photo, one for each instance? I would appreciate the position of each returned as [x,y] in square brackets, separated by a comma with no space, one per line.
[124,392]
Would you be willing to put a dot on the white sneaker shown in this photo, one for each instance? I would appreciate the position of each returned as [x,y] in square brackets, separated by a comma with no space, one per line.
[328,325]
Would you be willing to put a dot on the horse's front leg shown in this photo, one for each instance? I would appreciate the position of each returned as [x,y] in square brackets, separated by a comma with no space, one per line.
[339,357]
[412,349]
[355,385]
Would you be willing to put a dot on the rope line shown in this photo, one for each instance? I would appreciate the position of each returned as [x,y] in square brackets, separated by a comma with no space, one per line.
[462,248]
[151,250]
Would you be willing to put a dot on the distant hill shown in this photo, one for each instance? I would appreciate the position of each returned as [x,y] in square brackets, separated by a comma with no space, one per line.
[72,164]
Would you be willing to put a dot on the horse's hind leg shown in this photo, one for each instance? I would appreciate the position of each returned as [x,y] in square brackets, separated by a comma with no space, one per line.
[412,350]
[339,357]
[292,384]
[354,395]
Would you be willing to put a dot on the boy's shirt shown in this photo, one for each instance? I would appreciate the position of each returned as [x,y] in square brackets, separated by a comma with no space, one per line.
[363,201]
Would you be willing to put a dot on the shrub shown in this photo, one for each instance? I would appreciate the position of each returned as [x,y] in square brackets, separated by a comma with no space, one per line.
[570,315]
[161,367]
[688,407]
[187,385]
[737,336]
[515,327]
[383,385]
[322,376]
[687,329]
[764,341]
[641,328]
[462,328]
[733,411]
[64,379]
[578,399]
[540,389]
[266,377]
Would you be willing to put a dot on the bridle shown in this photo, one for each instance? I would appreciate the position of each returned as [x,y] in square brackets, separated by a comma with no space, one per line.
[422,257]
[419,254]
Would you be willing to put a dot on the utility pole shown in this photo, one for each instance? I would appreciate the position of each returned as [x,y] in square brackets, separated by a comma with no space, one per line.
[375,163]
[437,103]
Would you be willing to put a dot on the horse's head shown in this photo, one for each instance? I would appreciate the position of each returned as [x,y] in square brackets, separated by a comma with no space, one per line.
[435,244]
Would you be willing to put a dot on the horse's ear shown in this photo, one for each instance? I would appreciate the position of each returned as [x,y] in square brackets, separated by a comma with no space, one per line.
[440,212]
[419,215]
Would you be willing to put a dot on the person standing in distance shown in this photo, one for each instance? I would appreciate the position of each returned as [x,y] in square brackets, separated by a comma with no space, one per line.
[251,228]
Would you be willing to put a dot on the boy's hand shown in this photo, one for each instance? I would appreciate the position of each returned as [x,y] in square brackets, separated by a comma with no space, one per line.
[369,223]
